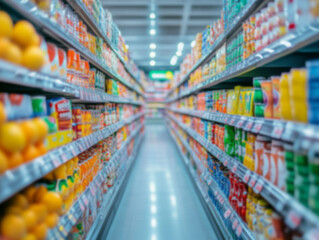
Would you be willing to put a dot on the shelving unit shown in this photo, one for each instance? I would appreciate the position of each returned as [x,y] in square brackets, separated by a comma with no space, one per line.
[70,218]
[296,216]
[238,225]
[13,181]
[249,8]
[41,20]
[287,131]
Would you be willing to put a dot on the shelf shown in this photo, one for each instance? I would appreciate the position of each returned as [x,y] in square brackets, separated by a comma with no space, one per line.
[67,221]
[110,197]
[41,20]
[80,9]
[233,27]
[12,74]
[238,225]
[15,180]
[296,216]
[282,47]
[304,134]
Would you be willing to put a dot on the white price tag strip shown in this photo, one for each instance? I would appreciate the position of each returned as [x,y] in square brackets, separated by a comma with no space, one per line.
[235,224]
[239,230]
[259,186]
[246,176]
[227,213]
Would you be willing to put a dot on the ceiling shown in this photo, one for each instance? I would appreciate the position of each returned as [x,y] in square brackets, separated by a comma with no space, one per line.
[175,21]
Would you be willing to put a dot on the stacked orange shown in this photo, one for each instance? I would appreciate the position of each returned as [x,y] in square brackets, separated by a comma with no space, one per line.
[29,215]
[20,43]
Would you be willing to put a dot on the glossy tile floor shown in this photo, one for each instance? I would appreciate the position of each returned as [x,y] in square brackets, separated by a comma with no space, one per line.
[160,202]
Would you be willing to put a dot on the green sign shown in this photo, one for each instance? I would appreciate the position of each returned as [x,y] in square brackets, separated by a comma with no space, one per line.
[161,75]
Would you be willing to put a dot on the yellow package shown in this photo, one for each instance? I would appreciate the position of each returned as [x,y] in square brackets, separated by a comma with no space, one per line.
[232,100]
[249,103]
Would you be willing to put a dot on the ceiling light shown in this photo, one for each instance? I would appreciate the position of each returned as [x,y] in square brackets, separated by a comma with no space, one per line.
[152,31]
[127,46]
[173,60]
[152,54]
[178,53]
[152,63]
[153,23]
[152,46]
[180,46]
[193,43]
[152,15]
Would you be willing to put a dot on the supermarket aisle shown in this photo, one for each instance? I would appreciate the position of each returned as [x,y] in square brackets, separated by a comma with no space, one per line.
[160,201]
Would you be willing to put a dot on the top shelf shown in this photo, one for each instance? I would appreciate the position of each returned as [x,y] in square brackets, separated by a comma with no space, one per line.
[54,30]
[86,16]
[246,11]
[288,44]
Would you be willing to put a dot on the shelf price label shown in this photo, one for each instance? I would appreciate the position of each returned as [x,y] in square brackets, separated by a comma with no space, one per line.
[240,123]
[232,121]
[259,185]
[239,230]
[252,181]
[246,176]
[234,168]
[257,127]
[235,224]
[225,162]
[277,131]
[293,219]
[227,213]
[249,125]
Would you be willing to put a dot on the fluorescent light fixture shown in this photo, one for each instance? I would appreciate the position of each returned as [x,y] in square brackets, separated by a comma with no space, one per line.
[193,43]
[153,23]
[152,185]
[153,209]
[178,53]
[173,200]
[152,54]
[153,198]
[152,46]
[152,31]
[127,46]
[180,46]
[173,60]
[153,237]
[153,222]
[152,15]
[152,63]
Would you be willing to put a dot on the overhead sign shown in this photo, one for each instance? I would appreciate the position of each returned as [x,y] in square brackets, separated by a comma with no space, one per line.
[161,75]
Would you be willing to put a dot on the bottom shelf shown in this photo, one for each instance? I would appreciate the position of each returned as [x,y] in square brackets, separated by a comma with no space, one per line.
[229,223]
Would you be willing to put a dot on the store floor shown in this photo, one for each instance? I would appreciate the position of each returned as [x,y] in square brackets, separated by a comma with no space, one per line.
[160,202]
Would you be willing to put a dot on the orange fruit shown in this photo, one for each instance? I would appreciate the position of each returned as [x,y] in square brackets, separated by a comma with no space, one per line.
[4,162]
[30,131]
[30,153]
[4,46]
[53,201]
[30,193]
[12,138]
[41,148]
[52,220]
[36,41]
[42,127]
[40,211]
[30,218]
[20,200]
[6,25]
[39,193]
[13,54]
[29,236]
[40,231]
[13,227]
[23,33]
[16,210]
[15,159]
[33,58]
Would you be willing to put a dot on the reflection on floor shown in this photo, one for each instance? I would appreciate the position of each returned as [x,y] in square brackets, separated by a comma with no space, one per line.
[160,202]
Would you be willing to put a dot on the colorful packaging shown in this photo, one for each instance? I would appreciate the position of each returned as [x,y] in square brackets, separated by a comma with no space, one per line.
[17,106]
[60,109]
[268,98]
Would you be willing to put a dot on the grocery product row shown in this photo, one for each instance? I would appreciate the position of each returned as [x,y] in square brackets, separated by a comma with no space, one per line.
[274,31]
[83,59]
[197,172]
[102,190]
[284,177]
[282,107]
[38,134]
[68,198]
